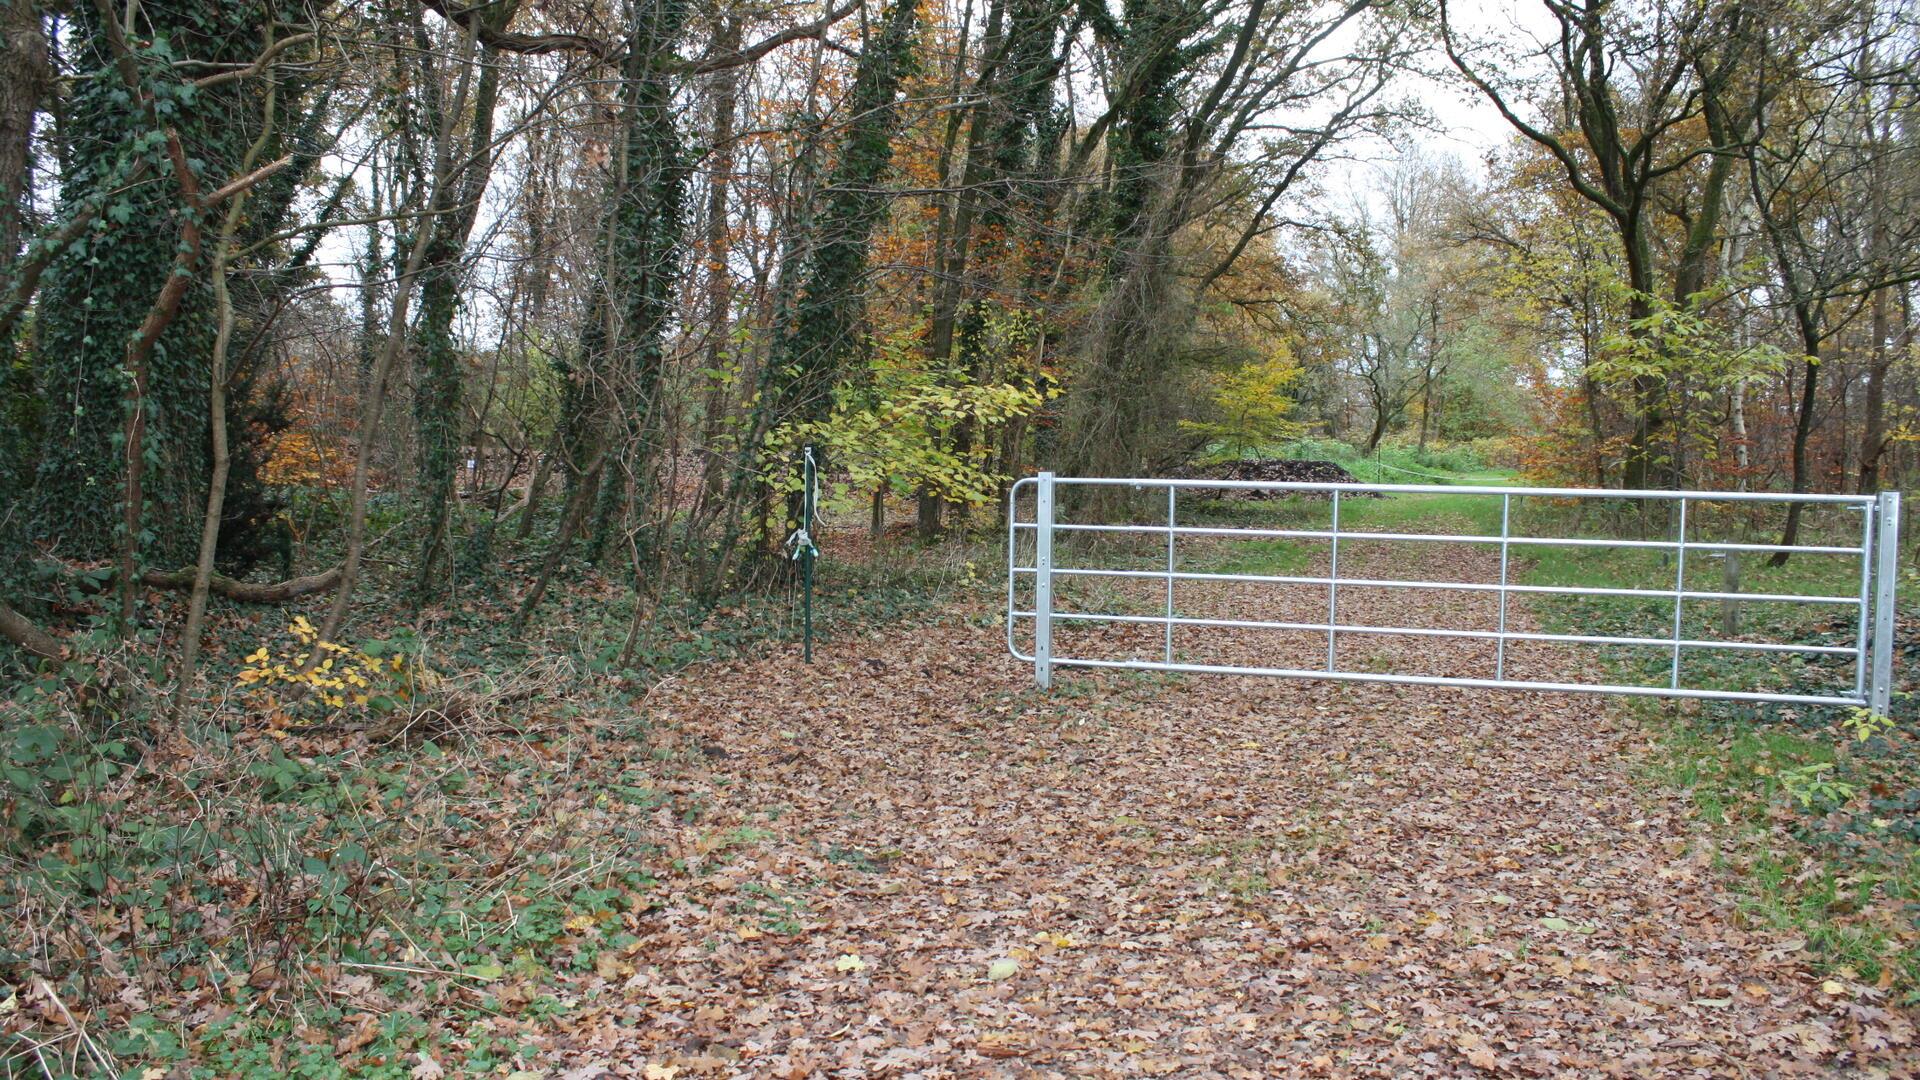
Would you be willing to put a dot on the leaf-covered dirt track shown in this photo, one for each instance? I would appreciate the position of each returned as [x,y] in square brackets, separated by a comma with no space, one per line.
[907,862]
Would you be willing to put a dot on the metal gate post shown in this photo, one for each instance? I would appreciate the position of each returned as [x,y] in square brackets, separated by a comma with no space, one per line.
[1333,581]
[1887,562]
[1172,524]
[1679,591]
[1863,634]
[1043,582]
[1506,538]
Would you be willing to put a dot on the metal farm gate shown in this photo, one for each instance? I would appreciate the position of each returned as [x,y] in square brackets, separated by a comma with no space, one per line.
[1871,649]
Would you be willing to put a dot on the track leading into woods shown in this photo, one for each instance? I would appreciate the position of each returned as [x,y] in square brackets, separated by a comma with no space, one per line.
[909,863]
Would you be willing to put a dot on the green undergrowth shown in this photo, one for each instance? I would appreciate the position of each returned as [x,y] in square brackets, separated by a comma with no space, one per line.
[254,895]
[278,885]
[1816,809]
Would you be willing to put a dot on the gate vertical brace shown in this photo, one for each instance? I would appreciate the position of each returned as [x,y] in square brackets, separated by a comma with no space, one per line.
[1887,561]
[1172,494]
[1043,582]
[1500,648]
[1863,636]
[1679,591]
[1333,581]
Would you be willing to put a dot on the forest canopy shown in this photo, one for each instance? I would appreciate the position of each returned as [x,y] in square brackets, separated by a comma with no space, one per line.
[571,282]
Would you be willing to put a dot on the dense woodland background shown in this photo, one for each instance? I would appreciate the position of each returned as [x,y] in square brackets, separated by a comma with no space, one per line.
[285,281]
[415,308]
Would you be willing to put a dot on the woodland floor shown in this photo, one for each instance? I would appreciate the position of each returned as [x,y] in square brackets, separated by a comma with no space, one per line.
[907,862]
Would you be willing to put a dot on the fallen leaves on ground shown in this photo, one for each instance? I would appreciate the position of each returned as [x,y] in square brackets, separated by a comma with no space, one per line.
[923,867]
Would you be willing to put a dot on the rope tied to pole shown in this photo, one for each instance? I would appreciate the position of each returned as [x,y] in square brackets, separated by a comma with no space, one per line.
[800,542]
[802,549]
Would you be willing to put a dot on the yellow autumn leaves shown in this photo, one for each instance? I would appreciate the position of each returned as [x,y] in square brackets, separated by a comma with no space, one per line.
[341,677]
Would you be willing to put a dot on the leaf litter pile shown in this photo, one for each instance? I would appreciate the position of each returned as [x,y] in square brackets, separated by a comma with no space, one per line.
[1270,470]
[905,861]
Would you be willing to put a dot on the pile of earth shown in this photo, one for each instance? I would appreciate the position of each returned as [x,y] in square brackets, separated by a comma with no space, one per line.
[1271,470]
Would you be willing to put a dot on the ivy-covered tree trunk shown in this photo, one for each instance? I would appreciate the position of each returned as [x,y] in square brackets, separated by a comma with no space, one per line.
[1144,131]
[718,299]
[819,314]
[439,412]
[609,423]
[822,327]
[98,292]
[953,242]
[1132,348]
[643,260]
[997,175]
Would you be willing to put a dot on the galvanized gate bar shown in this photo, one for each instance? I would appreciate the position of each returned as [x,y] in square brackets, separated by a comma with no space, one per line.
[1172,494]
[1333,582]
[1431,631]
[1486,684]
[1314,486]
[1463,586]
[1445,538]
[1886,566]
[1043,583]
[1872,650]
[1500,655]
[1867,521]
[1679,592]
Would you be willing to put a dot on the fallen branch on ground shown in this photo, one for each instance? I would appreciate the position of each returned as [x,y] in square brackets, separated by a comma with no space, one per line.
[247,592]
[21,630]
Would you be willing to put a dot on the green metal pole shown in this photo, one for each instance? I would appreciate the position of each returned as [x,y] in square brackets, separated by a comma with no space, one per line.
[808,497]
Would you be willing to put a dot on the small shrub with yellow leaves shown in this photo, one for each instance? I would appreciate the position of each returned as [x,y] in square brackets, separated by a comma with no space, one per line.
[377,678]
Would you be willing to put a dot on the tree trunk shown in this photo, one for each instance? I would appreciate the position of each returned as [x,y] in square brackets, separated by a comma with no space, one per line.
[1873,440]
[217,412]
[821,327]
[578,503]
[926,514]
[23,81]
[645,247]
[1802,430]
[1639,470]
[373,400]
[953,229]
[246,592]
[437,406]
[1742,456]
[85,327]
[536,488]
[139,352]
[1426,382]
[719,298]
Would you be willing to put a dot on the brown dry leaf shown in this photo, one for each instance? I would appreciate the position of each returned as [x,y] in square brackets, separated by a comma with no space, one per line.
[998,1044]
[1188,875]
[365,1027]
